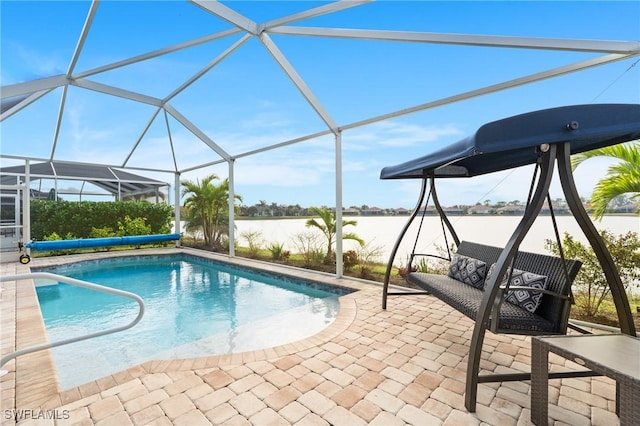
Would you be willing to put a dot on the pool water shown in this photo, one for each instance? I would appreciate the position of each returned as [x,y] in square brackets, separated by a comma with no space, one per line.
[193,307]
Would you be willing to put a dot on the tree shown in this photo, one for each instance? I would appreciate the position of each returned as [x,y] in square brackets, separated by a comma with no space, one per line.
[199,205]
[207,204]
[328,226]
[622,177]
[262,207]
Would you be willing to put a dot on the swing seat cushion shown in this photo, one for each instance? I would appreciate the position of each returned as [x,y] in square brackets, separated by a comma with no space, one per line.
[466,299]
[551,316]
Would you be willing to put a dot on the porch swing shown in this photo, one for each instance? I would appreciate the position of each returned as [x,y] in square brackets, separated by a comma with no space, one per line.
[503,289]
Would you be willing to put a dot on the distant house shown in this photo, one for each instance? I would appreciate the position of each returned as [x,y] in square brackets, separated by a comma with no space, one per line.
[453,211]
[401,211]
[480,209]
[557,209]
[373,211]
[511,209]
[626,208]
[430,211]
[350,212]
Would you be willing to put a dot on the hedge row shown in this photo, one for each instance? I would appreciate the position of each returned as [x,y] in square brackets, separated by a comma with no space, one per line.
[78,218]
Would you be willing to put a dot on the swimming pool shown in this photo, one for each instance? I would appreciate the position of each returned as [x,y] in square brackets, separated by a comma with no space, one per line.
[194,307]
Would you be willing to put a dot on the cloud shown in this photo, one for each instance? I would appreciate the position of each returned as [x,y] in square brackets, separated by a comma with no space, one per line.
[34,64]
[278,175]
[412,135]
[78,141]
[398,134]
[263,130]
[266,120]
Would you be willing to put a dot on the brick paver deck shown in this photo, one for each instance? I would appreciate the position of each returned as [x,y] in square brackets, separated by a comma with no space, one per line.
[405,365]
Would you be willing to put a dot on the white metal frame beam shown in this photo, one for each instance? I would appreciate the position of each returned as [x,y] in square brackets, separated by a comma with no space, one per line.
[315,12]
[173,151]
[532,78]
[197,132]
[298,81]
[575,45]
[83,37]
[156,53]
[56,132]
[33,86]
[229,15]
[208,67]
[144,132]
[116,91]
[23,103]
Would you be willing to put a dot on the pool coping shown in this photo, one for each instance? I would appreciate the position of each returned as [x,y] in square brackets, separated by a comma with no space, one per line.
[33,378]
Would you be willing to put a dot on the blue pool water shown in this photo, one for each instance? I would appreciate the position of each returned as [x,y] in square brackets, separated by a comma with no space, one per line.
[194,307]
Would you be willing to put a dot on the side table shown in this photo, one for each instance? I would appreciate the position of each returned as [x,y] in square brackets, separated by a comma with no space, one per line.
[613,355]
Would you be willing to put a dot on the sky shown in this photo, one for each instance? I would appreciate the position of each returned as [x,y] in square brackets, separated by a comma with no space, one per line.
[246,102]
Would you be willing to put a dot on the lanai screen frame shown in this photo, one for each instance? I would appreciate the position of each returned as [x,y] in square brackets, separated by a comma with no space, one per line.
[116,183]
[18,96]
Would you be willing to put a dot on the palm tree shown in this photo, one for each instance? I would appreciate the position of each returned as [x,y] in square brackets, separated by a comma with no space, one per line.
[198,204]
[220,207]
[622,177]
[328,227]
[206,206]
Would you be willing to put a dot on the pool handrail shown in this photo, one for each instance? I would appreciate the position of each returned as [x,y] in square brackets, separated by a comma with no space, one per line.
[78,283]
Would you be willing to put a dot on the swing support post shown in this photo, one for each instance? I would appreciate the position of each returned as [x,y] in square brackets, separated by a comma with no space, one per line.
[416,210]
[620,300]
[492,297]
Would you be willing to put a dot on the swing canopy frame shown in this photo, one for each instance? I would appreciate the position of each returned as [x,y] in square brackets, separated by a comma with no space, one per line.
[546,138]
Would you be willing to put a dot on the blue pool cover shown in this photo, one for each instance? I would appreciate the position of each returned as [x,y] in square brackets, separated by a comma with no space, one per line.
[511,142]
[101,242]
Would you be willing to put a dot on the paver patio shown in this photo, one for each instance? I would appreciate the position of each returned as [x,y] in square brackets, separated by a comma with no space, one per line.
[405,365]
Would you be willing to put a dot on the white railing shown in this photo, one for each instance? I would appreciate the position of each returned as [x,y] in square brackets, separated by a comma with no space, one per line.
[9,229]
[78,283]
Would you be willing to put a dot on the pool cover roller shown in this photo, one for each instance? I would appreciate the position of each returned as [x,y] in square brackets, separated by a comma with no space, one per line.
[101,242]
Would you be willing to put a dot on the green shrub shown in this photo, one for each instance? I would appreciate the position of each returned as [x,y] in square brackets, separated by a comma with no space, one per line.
[591,287]
[368,255]
[254,239]
[135,226]
[310,248]
[278,252]
[79,218]
[349,259]
[52,237]
[103,232]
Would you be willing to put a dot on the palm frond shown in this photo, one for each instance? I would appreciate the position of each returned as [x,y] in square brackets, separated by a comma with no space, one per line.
[609,188]
[628,152]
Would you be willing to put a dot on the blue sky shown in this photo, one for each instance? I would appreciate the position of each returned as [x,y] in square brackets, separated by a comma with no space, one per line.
[247,102]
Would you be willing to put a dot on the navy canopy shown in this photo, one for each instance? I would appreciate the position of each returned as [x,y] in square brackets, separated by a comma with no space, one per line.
[512,142]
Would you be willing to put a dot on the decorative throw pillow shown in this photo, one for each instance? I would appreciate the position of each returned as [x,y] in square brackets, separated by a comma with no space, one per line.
[458,263]
[526,299]
[468,270]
